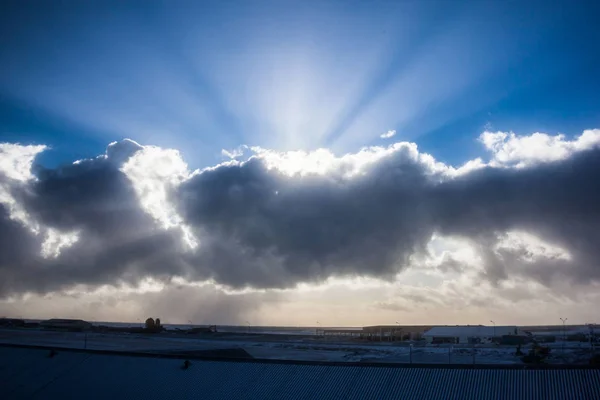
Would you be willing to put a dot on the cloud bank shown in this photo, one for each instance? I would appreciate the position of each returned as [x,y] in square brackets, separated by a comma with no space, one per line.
[276,220]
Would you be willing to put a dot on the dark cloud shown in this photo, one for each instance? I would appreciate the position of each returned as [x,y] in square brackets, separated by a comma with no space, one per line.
[267,229]
[16,251]
[118,241]
[450,264]
[260,228]
[559,202]
[310,228]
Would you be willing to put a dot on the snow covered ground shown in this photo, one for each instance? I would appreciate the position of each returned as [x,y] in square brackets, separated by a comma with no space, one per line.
[293,348]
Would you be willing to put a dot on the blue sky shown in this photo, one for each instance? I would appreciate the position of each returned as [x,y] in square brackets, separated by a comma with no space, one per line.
[294,75]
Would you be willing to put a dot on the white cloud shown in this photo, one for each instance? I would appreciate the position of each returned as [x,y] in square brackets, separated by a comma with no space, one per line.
[154,172]
[509,149]
[325,162]
[530,247]
[16,210]
[16,160]
[388,134]
[15,164]
[445,249]
[234,153]
[56,240]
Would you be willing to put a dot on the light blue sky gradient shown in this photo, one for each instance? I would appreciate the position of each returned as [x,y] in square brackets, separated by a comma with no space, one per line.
[203,76]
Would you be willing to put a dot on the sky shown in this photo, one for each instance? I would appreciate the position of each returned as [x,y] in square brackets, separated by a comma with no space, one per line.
[284,162]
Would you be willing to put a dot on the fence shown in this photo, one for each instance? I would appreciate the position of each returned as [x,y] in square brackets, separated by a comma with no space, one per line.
[496,355]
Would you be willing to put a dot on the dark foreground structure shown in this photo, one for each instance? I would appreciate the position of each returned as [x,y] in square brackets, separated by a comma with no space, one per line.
[39,373]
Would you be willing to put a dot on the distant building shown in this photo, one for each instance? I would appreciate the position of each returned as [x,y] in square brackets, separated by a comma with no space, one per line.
[468,334]
[66,324]
[378,332]
[12,322]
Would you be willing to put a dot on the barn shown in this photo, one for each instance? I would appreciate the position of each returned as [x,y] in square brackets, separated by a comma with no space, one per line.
[469,334]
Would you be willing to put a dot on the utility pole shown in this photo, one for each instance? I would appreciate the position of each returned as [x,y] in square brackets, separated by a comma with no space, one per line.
[564,333]
[494,329]
[591,326]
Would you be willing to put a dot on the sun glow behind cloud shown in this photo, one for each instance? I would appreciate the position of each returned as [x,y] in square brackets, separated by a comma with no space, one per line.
[310,78]
[301,101]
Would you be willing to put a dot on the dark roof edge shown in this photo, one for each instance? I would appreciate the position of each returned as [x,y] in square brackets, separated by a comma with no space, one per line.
[181,356]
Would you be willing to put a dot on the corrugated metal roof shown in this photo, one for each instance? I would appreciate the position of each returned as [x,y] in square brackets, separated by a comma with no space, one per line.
[30,373]
[474,331]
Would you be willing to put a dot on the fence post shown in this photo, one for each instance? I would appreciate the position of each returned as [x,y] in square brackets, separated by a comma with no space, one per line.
[411,347]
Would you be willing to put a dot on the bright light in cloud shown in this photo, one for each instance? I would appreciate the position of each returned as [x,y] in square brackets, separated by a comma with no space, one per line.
[352,283]
[16,210]
[530,247]
[16,160]
[451,253]
[291,163]
[15,165]
[388,134]
[154,173]
[55,241]
[325,162]
[508,149]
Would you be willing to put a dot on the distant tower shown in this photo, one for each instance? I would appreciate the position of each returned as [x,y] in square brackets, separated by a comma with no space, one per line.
[150,324]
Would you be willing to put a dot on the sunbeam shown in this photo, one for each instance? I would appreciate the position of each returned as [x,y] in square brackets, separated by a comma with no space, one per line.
[285,161]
